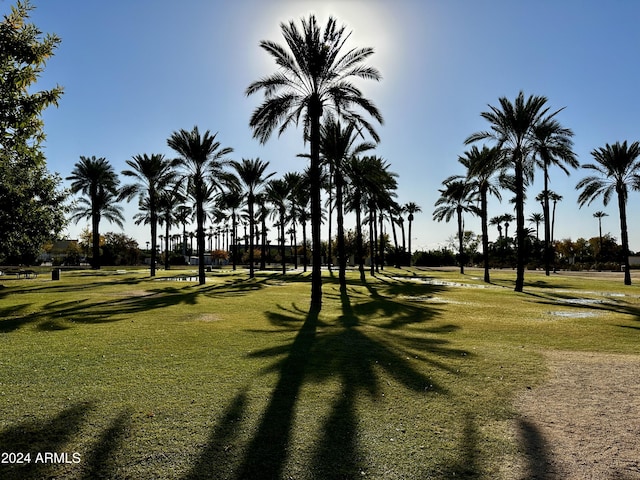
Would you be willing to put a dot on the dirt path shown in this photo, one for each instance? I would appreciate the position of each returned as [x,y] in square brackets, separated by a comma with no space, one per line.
[583,423]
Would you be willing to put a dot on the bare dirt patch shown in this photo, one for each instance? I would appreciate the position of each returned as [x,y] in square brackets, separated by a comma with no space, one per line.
[583,423]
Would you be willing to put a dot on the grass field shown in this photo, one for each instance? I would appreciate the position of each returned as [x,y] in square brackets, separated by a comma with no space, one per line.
[409,376]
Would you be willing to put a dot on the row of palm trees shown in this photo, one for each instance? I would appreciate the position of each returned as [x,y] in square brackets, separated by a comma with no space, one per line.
[203,183]
[526,136]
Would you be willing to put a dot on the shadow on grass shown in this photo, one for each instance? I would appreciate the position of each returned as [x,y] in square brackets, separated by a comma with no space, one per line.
[63,313]
[354,351]
[536,452]
[56,435]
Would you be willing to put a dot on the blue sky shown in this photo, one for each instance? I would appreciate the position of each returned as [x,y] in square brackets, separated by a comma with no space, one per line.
[135,71]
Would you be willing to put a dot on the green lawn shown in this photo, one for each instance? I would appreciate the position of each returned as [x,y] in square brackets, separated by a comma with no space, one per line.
[410,376]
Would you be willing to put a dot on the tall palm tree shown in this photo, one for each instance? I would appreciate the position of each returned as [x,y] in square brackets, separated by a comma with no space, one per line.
[169,200]
[455,198]
[313,76]
[97,180]
[537,219]
[411,208]
[337,144]
[277,191]
[251,173]
[497,222]
[232,200]
[103,206]
[555,198]
[507,218]
[484,168]
[153,173]
[512,127]
[617,167]
[202,159]
[296,187]
[552,145]
[600,215]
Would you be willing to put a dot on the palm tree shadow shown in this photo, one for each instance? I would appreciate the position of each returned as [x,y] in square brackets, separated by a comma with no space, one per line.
[40,436]
[266,454]
[218,458]
[346,351]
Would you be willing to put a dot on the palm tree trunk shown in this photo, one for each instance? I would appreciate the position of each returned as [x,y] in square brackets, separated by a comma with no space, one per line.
[95,232]
[154,233]
[485,234]
[461,240]
[283,239]
[304,246]
[315,112]
[410,255]
[166,243]
[200,237]
[547,226]
[625,235]
[520,233]
[342,260]
[372,241]
[330,214]
[250,201]
[359,243]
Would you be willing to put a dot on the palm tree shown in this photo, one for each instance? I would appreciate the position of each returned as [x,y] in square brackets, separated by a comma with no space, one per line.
[497,222]
[507,218]
[455,198]
[512,127]
[552,145]
[411,208]
[183,216]
[296,187]
[202,159]
[617,167]
[103,206]
[98,181]
[277,191]
[168,202]
[153,174]
[536,218]
[251,173]
[337,144]
[482,167]
[312,77]
[600,215]
[555,198]
[231,199]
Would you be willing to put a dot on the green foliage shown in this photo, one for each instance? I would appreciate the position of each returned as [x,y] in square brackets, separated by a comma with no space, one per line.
[32,207]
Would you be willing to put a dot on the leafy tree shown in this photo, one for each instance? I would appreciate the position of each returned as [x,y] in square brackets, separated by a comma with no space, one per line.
[32,204]
[313,76]
[96,179]
[154,174]
[202,158]
[617,167]
[251,175]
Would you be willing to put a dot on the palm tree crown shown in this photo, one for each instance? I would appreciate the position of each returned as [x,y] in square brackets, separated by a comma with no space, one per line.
[313,75]
[97,180]
[513,127]
[251,174]
[153,173]
[617,166]
[202,158]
